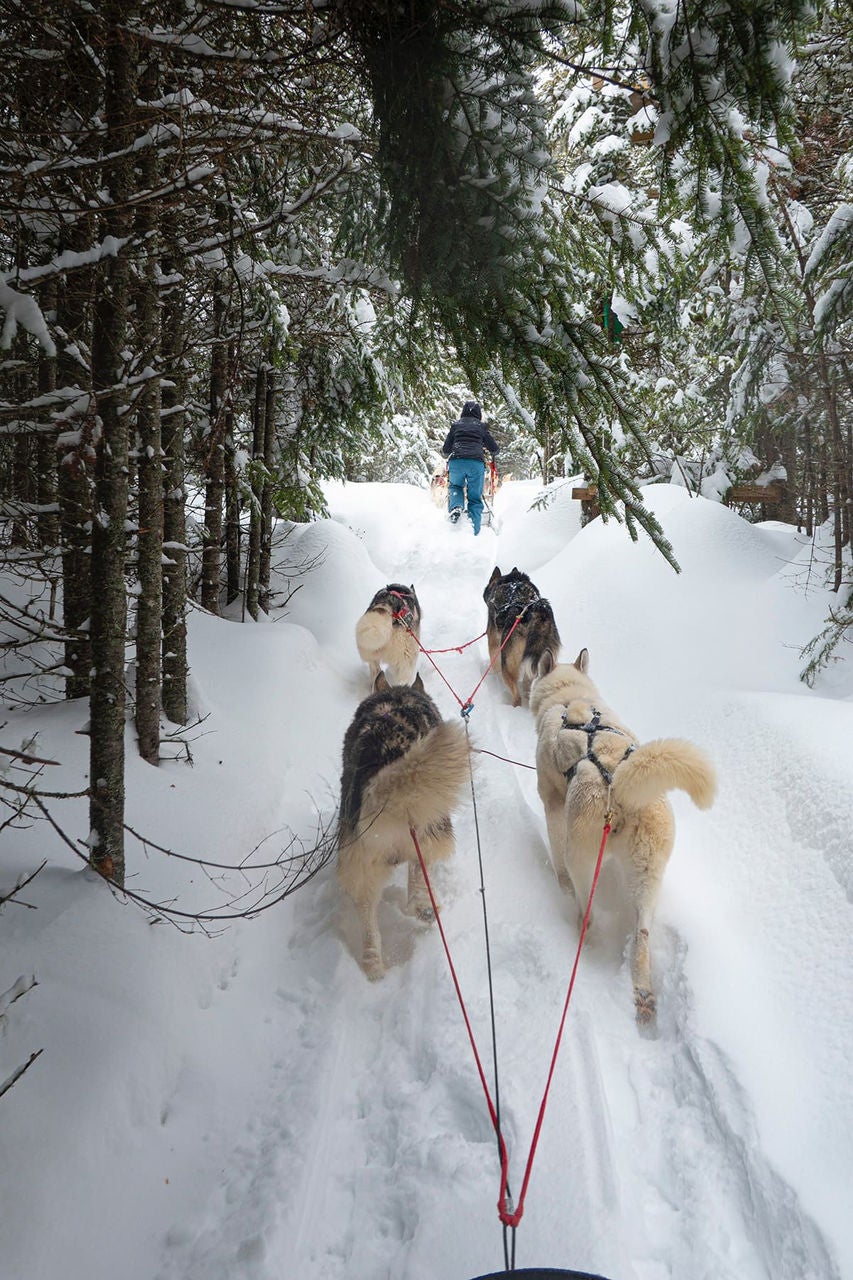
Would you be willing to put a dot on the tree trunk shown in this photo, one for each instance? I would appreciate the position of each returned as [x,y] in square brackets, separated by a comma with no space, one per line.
[838,470]
[75,458]
[107,698]
[232,514]
[75,449]
[266,497]
[149,466]
[48,522]
[211,563]
[22,488]
[173,418]
[253,552]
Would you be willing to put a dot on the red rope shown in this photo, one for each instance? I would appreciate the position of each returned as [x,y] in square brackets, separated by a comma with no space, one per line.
[457,648]
[437,668]
[507,1216]
[482,679]
[513,1219]
[401,616]
[468,704]
[481,1072]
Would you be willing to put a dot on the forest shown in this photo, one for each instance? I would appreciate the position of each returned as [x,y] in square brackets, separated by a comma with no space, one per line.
[249,245]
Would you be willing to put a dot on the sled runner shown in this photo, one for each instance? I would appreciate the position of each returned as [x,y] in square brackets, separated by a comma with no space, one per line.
[541,1273]
[490,488]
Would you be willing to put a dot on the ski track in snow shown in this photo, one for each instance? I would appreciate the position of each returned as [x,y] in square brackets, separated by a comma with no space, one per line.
[393,1062]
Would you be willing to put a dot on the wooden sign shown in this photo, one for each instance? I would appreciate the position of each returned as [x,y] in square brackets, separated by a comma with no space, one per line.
[767,493]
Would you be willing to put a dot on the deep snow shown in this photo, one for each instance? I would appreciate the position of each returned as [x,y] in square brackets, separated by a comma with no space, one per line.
[248,1105]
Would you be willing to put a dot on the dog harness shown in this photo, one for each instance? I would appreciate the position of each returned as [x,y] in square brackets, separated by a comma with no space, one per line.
[511,610]
[403,615]
[591,728]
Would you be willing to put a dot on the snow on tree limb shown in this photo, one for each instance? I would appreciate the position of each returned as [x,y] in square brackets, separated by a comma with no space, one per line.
[22,309]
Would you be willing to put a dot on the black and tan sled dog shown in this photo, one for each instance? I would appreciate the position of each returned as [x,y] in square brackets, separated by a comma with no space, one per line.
[387,633]
[535,641]
[404,769]
[588,764]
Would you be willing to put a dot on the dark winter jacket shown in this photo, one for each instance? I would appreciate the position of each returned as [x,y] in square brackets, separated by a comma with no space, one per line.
[469,435]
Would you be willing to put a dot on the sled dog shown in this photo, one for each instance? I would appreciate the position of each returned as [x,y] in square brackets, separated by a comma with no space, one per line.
[588,764]
[534,643]
[404,769]
[384,639]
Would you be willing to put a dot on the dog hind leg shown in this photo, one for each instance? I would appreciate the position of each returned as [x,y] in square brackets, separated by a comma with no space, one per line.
[435,846]
[555,818]
[418,903]
[363,879]
[511,683]
[580,863]
[371,957]
[649,861]
[404,661]
[645,1002]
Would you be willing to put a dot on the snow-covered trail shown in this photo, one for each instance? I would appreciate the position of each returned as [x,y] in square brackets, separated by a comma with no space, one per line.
[379,1161]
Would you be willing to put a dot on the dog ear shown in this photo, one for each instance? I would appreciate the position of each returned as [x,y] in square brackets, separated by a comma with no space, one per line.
[418,683]
[582,661]
[496,574]
[545,664]
[380,684]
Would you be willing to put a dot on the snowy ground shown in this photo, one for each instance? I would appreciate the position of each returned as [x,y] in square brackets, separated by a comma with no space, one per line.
[249,1106]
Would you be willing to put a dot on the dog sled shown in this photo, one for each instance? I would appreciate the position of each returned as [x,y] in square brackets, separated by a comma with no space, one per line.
[491,484]
[438,486]
[542,1273]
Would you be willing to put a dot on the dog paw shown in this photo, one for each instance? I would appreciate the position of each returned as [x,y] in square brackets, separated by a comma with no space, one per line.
[590,921]
[373,967]
[646,1008]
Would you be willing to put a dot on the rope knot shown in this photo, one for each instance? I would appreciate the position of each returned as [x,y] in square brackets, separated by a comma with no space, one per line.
[404,613]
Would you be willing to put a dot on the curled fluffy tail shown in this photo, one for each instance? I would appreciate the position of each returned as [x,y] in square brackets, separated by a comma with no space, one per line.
[372,633]
[423,786]
[666,764]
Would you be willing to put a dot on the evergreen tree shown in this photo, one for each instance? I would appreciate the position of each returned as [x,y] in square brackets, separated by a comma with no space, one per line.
[244,246]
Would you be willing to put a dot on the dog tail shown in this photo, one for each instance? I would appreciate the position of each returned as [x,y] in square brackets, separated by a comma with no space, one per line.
[666,764]
[372,632]
[424,785]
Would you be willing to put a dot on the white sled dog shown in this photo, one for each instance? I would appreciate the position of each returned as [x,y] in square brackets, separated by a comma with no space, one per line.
[589,763]
[386,640]
[404,769]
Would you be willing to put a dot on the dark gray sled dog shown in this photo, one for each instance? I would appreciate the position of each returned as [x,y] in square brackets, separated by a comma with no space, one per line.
[534,645]
[404,769]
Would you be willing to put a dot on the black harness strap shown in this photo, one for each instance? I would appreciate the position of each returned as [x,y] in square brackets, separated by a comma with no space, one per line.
[511,609]
[591,728]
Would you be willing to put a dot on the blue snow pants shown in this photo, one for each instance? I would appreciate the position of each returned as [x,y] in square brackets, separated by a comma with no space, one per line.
[470,471]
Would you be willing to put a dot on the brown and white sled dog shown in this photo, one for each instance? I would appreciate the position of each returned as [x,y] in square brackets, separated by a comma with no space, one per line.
[589,763]
[404,769]
[533,640]
[389,641]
